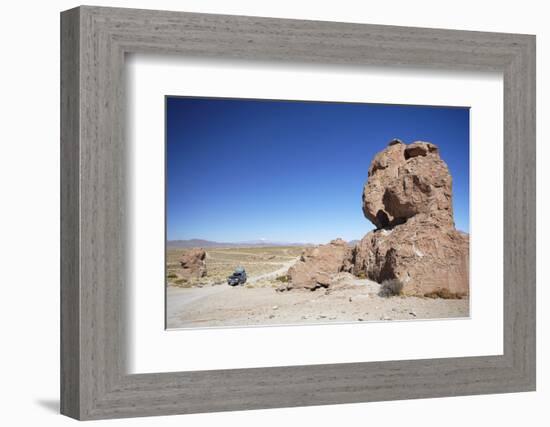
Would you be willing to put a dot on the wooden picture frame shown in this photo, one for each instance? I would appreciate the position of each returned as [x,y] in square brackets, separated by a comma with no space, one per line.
[94,382]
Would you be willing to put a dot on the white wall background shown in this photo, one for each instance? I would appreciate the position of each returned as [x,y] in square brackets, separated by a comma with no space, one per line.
[29,224]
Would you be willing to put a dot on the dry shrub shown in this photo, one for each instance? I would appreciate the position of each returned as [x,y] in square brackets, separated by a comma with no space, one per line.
[443,293]
[283,278]
[182,283]
[390,287]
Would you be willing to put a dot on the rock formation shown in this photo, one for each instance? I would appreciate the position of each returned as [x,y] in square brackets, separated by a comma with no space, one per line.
[406,180]
[408,196]
[427,258]
[318,264]
[193,263]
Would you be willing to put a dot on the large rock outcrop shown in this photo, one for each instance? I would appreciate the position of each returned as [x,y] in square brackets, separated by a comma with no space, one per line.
[428,259]
[318,264]
[193,263]
[408,196]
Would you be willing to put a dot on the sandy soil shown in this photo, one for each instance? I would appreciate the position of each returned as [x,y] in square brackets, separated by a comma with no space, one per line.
[222,305]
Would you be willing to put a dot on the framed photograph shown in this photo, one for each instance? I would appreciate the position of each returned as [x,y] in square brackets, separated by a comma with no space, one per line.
[344,212]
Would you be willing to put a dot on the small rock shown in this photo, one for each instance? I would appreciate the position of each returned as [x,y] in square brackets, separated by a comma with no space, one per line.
[271,316]
[275,307]
[412,313]
[360,319]
[385,318]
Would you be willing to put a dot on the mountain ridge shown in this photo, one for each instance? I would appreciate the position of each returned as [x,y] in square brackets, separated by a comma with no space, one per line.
[202,243]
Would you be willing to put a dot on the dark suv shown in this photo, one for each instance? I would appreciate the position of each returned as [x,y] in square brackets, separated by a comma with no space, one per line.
[237,278]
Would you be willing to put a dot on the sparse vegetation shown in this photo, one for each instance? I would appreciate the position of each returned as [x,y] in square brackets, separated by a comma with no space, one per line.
[182,283]
[391,287]
[283,278]
[221,262]
[443,293]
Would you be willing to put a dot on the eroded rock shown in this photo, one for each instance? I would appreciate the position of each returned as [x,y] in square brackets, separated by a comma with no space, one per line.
[318,264]
[405,180]
[425,256]
[409,200]
[408,197]
[193,263]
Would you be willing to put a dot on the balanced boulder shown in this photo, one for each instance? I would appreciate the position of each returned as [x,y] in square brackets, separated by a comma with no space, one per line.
[408,197]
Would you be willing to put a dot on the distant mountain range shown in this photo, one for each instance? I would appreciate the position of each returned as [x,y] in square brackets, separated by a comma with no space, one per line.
[201,243]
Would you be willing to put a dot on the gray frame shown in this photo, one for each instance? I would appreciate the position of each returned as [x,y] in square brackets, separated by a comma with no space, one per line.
[94,41]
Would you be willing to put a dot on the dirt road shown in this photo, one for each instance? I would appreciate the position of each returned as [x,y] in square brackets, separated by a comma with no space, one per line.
[274,274]
[178,300]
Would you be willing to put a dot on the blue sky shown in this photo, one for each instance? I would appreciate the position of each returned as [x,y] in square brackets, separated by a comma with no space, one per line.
[291,171]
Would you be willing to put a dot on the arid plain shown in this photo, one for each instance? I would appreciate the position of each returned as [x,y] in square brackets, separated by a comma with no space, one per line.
[209,302]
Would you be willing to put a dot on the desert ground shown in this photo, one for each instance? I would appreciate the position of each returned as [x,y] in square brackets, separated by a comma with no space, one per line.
[210,302]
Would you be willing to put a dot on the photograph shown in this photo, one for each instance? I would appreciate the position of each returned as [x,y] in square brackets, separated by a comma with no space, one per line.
[289,212]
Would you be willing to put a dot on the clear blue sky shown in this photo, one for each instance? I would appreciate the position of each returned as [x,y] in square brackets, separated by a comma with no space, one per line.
[241,170]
